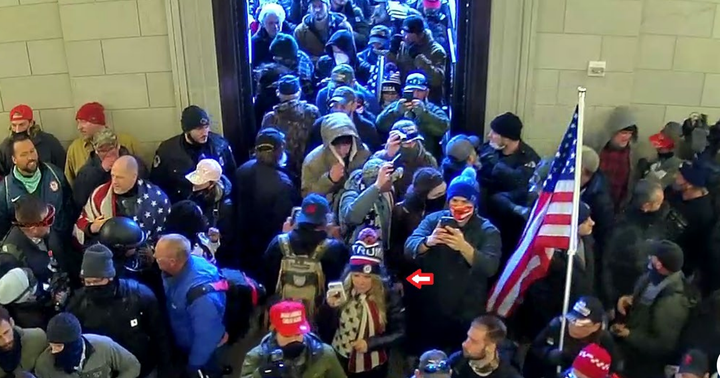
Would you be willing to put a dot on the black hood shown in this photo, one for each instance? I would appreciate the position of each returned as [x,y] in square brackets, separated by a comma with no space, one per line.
[345,41]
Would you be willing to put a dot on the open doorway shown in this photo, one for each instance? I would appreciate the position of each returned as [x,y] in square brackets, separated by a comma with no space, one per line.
[464,90]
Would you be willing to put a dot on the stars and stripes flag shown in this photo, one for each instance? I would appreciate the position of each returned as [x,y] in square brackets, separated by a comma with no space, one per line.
[549,227]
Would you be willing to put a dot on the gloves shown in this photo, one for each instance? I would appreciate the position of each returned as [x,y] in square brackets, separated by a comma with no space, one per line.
[395,43]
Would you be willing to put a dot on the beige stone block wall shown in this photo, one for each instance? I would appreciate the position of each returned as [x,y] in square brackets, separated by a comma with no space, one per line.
[662,56]
[60,54]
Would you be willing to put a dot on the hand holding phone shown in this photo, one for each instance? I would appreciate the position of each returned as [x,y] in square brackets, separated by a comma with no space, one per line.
[294,213]
[448,222]
[336,294]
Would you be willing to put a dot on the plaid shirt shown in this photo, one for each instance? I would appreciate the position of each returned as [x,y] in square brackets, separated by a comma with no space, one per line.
[615,165]
[305,70]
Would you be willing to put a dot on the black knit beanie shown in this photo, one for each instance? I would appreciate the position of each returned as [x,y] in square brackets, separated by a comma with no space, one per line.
[63,328]
[507,125]
[284,46]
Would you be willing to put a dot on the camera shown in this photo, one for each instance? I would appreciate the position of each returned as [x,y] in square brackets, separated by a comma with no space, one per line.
[275,368]
[59,290]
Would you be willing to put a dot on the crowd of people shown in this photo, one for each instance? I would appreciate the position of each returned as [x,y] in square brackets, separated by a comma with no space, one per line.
[115,267]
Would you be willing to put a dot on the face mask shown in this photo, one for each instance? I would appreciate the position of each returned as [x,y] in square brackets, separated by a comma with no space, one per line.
[100,293]
[69,359]
[435,204]
[341,58]
[409,152]
[461,212]
[293,350]
[496,146]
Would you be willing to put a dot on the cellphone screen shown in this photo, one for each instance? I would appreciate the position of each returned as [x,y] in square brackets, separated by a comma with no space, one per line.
[409,95]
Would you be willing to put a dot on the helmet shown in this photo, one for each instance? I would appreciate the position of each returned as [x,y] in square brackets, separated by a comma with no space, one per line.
[128,242]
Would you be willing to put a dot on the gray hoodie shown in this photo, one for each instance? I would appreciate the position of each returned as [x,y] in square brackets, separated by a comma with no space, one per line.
[107,360]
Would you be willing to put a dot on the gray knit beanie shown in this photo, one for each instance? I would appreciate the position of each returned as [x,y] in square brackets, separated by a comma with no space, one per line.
[97,262]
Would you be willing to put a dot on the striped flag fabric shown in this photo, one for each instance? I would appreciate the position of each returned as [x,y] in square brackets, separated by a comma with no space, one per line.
[548,228]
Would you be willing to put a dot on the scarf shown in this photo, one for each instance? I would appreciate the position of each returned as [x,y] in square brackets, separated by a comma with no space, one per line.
[359,320]
[10,359]
[485,366]
[31,183]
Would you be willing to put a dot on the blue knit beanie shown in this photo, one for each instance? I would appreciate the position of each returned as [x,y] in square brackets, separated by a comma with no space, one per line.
[465,186]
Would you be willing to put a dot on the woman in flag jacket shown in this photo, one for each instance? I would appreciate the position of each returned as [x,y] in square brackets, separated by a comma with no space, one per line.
[364,318]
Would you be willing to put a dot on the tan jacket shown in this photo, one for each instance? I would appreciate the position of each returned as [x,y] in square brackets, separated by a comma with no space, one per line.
[79,151]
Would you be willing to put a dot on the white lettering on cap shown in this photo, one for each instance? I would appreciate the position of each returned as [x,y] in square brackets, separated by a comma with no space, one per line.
[582,309]
[291,317]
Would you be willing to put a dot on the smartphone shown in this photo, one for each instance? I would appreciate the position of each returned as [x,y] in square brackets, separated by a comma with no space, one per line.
[396,160]
[449,222]
[409,95]
[337,289]
[294,213]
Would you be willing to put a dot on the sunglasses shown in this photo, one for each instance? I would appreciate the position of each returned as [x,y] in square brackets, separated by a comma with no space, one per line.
[437,367]
[45,222]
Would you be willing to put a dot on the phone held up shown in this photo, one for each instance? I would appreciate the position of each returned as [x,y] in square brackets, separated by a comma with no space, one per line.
[294,213]
[337,289]
[408,95]
[449,222]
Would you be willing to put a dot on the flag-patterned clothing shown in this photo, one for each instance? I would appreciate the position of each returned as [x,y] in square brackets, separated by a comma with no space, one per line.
[152,208]
[549,228]
[359,320]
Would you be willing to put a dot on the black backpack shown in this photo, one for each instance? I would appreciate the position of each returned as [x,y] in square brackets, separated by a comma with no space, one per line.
[242,295]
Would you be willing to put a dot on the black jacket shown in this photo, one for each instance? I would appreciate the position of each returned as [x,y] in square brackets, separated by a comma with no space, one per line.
[264,198]
[48,148]
[342,39]
[506,173]
[596,194]
[220,214]
[91,175]
[132,318]
[261,41]
[175,158]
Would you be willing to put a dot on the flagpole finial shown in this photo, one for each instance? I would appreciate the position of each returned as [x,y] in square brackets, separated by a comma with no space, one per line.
[582,89]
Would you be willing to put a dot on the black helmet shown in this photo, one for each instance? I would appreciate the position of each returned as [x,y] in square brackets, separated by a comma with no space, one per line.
[121,233]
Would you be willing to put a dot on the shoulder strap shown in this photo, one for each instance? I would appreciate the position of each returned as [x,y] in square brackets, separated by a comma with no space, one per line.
[13,250]
[284,240]
[320,249]
[198,291]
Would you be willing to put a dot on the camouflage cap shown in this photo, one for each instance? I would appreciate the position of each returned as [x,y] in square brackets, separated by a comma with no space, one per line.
[104,137]
[343,74]
[343,95]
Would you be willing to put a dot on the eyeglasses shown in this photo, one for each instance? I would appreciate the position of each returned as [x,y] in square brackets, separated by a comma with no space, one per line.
[436,367]
[45,222]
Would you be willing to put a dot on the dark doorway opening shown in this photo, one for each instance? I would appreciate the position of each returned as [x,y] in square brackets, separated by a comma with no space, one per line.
[468,86]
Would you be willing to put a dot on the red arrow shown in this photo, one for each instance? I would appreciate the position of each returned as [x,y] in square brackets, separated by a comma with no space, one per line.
[419,279]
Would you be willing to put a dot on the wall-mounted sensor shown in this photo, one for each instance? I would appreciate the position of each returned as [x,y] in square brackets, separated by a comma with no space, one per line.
[596,69]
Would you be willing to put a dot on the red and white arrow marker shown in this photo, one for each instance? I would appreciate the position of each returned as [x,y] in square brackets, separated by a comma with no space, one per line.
[420,279]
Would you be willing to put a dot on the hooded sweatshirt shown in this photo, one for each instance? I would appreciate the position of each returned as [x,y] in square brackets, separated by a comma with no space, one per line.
[317,164]
[343,40]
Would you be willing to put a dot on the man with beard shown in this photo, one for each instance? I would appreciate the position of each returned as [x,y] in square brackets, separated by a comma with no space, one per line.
[72,353]
[42,180]
[462,249]
[22,122]
[96,171]
[481,351]
[19,348]
[123,196]
[91,119]
[122,309]
[405,148]
[317,26]
[179,155]
[290,349]
[651,319]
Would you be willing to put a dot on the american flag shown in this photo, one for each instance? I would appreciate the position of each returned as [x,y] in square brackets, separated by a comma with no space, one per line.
[549,227]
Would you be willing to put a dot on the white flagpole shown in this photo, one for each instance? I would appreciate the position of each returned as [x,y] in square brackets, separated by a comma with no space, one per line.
[572,250]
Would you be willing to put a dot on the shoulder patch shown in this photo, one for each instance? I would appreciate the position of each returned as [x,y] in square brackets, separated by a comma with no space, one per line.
[531,164]
[156,161]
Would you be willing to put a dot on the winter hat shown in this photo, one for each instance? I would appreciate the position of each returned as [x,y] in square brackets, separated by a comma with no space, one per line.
[593,362]
[97,262]
[21,112]
[288,85]
[428,180]
[63,328]
[379,34]
[507,125]
[314,210]
[367,253]
[392,84]
[590,159]
[414,24]
[92,112]
[583,212]
[370,170]
[465,186]
[432,4]
[14,286]
[694,362]
[669,254]
[284,46]
[193,117]
[695,174]
[462,146]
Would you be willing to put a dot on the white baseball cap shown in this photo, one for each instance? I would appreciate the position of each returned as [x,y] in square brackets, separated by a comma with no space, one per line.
[207,170]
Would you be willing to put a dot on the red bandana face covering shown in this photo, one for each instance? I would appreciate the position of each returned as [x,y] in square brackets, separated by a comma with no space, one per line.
[461,212]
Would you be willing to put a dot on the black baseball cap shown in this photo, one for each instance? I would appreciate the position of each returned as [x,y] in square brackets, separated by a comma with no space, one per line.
[434,364]
[344,95]
[288,85]
[269,138]
[586,309]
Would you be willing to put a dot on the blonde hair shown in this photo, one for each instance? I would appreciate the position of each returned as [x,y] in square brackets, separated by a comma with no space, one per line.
[376,294]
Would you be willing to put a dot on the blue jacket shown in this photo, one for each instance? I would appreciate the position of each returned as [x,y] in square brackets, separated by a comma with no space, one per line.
[198,328]
[53,189]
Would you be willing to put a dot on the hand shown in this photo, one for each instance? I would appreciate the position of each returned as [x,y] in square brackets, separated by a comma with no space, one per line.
[288,225]
[421,60]
[213,234]
[384,175]
[436,237]
[624,304]
[408,105]
[97,223]
[392,146]
[418,104]
[333,300]
[455,239]
[620,330]
[360,346]
[395,43]
[555,357]
[337,172]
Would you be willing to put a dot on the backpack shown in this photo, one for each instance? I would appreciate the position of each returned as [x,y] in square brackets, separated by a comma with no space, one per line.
[301,277]
[242,295]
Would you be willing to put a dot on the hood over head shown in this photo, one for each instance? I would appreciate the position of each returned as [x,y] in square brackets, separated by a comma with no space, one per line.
[345,41]
[335,125]
[621,119]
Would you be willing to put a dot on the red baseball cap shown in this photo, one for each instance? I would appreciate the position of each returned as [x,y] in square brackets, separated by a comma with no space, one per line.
[21,113]
[289,319]
[432,4]
[660,140]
